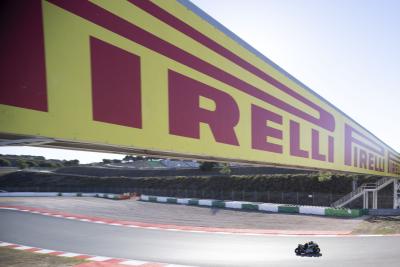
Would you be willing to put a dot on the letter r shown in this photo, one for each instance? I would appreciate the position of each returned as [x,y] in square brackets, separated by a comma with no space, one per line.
[185,113]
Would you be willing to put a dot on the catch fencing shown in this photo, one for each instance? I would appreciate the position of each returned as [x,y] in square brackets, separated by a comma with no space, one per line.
[298,198]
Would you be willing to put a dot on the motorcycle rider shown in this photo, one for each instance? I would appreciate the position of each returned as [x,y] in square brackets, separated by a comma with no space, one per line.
[309,244]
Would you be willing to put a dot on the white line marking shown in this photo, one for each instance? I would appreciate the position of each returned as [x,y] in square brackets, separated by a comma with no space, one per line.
[98,258]
[133,262]
[4,244]
[45,251]
[23,247]
[70,255]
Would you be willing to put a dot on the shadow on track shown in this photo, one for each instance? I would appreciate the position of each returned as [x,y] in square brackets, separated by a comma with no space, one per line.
[309,255]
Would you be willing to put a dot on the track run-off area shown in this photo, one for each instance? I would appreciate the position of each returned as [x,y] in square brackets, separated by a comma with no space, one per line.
[191,247]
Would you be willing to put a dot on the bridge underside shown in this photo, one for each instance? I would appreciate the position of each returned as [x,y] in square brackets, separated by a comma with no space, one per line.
[20,140]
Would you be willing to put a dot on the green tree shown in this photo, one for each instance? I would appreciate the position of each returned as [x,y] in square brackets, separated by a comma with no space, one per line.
[4,162]
[57,165]
[31,163]
[226,169]
[73,162]
[22,164]
[324,176]
[47,164]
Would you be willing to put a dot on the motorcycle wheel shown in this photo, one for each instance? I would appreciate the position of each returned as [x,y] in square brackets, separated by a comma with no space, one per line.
[297,251]
[317,250]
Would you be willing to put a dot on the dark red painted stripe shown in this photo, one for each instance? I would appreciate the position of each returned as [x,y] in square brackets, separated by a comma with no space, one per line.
[183,27]
[115,85]
[370,148]
[122,27]
[23,72]
[380,150]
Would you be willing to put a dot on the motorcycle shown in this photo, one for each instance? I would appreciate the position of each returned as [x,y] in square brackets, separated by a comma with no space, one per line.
[309,248]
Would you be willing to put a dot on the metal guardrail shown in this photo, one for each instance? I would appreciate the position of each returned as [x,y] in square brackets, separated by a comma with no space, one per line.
[383,182]
[349,197]
[360,190]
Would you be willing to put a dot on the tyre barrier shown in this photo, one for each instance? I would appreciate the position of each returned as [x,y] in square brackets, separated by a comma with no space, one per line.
[113,196]
[263,207]
[65,194]
[46,194]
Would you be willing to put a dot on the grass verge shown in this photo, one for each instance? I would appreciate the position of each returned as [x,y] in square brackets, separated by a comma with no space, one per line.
[379,225]
[16,258]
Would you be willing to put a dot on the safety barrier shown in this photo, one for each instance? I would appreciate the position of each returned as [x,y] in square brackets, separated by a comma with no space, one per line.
[59,194]
[45,194]
[254,206]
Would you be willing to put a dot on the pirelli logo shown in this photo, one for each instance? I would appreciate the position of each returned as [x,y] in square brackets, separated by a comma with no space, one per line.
[363,152]
[141,78]
[393,163]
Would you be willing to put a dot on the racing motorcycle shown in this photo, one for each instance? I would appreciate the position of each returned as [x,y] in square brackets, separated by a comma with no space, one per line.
[309,248]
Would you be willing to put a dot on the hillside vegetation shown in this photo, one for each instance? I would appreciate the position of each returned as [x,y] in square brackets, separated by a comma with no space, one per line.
[27,161]
[324,183]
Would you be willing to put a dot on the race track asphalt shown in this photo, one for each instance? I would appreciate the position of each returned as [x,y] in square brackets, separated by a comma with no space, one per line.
[187,248]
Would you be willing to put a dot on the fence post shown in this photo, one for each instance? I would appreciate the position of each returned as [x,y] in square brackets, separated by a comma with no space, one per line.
[242,195]
[297,197]
[282,197]
[313,198]
[232,195]
[255,196]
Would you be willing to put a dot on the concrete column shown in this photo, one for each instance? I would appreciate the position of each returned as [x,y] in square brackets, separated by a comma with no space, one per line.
[375,199]
[354,184]
[365,200]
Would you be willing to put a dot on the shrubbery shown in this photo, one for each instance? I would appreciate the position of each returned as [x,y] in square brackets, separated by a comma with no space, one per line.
[4,163]
[27,161]
[278,182]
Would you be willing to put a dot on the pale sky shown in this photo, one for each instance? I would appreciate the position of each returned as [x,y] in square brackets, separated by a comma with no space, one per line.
[348,51]
[345,50]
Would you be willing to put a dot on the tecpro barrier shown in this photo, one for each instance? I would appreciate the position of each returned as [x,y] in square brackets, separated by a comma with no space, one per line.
[263,207]
[59,194]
